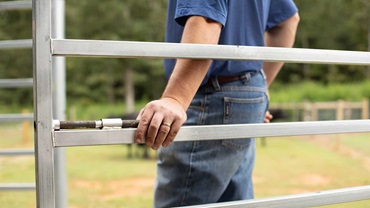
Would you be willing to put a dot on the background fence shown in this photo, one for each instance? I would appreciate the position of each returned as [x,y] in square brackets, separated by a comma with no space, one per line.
[321,111]
[16,83]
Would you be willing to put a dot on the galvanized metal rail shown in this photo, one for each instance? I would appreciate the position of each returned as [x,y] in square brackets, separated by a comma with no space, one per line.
[16,117]
[16,83]
[66,138]
[46,47]
[16,152]
[131,49]
[16,44]
[15,5]
[315,199]
[17,187]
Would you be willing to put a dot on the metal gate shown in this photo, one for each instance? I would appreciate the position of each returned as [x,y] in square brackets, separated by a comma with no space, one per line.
[47,139]
[16,83]
[58,96]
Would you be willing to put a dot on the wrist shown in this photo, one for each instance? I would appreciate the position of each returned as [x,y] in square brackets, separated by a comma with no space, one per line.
[174,100]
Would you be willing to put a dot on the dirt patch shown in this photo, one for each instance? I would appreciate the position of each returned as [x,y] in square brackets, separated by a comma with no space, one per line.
[15,159]
[314,180]
[334,143]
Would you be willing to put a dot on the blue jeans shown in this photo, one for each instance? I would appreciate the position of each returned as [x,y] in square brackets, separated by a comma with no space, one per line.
[200,172]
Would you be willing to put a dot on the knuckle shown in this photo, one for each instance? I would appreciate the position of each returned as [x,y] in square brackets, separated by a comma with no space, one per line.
[154,126]
[173,135]
[139,134]
[163,130]
[149,142]
[144,121]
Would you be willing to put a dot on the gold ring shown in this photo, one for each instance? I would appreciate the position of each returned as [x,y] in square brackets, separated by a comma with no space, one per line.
[166,124]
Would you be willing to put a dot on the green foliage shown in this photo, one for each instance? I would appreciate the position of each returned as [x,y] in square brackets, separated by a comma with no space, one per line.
[311,91]
[102,80]
[325,24]
[93,111]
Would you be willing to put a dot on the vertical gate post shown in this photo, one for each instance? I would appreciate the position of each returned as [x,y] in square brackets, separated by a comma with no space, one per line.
[59,101]
[44,152]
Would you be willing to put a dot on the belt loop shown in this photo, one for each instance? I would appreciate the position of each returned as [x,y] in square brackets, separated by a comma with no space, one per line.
[246,77]
[215,84]
[263,74]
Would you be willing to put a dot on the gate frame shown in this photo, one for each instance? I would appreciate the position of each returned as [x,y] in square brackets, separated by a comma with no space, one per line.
[47,139]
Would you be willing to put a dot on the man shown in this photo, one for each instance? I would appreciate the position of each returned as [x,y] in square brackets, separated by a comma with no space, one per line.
[206,92]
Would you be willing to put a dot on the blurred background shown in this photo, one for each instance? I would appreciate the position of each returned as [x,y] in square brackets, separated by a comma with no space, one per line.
[340,24]
[123,176]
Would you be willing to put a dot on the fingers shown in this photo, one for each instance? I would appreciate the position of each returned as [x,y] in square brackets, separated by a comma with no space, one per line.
[153,130]
[162,134]
[172,134]
[145,120]
[268,117]
[159,123]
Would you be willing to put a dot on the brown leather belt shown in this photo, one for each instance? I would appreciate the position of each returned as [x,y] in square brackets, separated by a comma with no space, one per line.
[224,79]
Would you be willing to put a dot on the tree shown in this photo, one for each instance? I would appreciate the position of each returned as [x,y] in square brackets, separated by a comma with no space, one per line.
[334,25]
[131,20]
[16,63]
[325,24]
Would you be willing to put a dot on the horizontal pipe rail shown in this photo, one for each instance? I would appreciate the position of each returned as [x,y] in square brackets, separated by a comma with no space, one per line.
[16,152]
[318,105]
[98,124]
[300,200]
[15,5]
[16,83]
[16,44]
[64,138]
[18,187]
[131,49]
[16,117]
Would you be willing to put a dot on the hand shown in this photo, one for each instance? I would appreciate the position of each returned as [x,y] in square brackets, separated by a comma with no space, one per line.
[160,121]
[268,117]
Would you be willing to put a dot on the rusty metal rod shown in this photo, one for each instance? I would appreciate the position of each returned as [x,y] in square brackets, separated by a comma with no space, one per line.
[77,124]
[98,124]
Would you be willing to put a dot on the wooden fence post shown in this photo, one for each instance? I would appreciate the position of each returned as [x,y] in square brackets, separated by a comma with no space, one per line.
[365,108]
[25,129]
[340,110]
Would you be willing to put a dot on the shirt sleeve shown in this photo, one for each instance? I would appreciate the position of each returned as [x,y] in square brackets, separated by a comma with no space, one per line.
[212,9]
[280,10]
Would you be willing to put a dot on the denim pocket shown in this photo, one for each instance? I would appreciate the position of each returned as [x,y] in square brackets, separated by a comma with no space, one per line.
[243,111]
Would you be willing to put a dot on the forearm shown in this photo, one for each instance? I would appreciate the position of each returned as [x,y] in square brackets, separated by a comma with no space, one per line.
[282,35]
[185,80]
[189,73]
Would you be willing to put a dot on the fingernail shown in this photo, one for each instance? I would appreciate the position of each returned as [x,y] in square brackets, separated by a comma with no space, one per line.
[138,141]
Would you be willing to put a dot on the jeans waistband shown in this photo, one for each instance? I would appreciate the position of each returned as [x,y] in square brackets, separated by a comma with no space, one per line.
[216,81]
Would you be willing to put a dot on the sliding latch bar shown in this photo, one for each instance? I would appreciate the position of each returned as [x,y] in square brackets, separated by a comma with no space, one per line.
[98,124]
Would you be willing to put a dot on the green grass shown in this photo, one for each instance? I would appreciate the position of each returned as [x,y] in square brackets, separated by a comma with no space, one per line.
[296,165]
[279,93]
[98,110]
[110,178]
[102,176]
[358,142]
[315,92]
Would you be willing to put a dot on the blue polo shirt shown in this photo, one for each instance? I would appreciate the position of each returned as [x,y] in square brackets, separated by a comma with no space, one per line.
[244,23]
